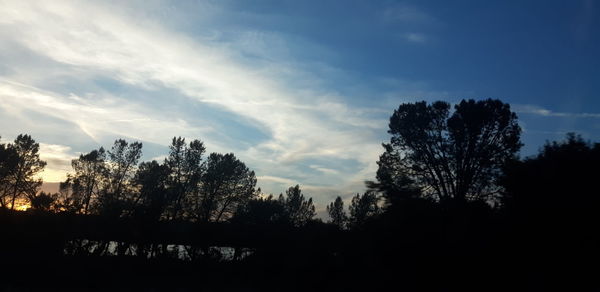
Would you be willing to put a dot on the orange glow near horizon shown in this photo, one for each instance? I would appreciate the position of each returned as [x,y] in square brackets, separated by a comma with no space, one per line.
[23,207]
[20,205]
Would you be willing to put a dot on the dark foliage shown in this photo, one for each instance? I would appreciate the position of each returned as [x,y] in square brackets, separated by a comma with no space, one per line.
[362,208]
[225,185]
[193,223]
[261,211]
[337,214]
[298,210]
[449,155]
[19,165]
[42,201]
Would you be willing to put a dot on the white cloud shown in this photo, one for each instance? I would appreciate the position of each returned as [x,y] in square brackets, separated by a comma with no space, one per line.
[324,170]
[412,23]
[58,159]
[415,37]
[97,116]
[281,180]
[540,111]
[86,40]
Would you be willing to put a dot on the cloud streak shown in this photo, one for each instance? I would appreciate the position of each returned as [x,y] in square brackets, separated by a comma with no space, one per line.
[540,111]
[58,159]
[147,57]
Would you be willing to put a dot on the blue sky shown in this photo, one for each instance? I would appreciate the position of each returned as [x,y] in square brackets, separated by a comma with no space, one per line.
[299,90]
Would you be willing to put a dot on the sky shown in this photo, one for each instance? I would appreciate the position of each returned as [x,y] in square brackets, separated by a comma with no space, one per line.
[301,91]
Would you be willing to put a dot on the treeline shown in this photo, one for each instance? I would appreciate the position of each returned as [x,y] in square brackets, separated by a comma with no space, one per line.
[113,183]
[185,186]
[452,207]
[468,154]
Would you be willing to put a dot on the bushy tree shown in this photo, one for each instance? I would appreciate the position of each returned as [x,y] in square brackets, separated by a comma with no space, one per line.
[20,166]
[557,183]
[42,201]
[185,168]
[362,208]
[298,209]
[151,179]
[225,185]
[449,155]
[119,192]
[85,184]
[8,164]
[261,211]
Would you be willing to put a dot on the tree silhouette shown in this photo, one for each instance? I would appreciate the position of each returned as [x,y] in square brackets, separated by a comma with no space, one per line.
[395,185]
[118,194]
[261,211]
[151,179]
[546,221]
[455,156]
[8,163]
[362,208]
[42,201]
[561,178]
[21,165]
[336,213]
[225,185]
[89,178]
[551,200]
[297,208]
[185,170]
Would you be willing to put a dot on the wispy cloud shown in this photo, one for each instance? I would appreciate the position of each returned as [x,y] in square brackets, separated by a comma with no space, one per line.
[540,111]
[324,170]
[96,116]
[275,179]
[413,23]
[149,59]
[415,37]
[58,159]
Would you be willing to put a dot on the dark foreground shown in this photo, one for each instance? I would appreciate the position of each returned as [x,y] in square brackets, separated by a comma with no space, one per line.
[422,247]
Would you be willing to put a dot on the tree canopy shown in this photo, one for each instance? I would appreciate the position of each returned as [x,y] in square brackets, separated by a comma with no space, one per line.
[437,175]
[19,166]
[336,212]
[362,208]
[186,186]
[298,209]
[449,154]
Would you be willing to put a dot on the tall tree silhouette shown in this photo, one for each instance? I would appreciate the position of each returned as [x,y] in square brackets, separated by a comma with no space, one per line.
[21,165]
[8,164]
[89,178]
[185,169]
[336,212]
[151,202]
[297,208]
[119,192]
[449,155]
[225,185]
